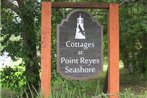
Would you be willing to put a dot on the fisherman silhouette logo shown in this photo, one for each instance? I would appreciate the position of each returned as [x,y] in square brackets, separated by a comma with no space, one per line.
[80,33]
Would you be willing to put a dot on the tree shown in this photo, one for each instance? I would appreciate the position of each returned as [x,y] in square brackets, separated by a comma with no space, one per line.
[21,18]
[133,30]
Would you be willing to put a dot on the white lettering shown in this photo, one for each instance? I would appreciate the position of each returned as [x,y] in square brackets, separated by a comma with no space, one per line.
[69,60]
[89,61]
[85,46]
[79,69]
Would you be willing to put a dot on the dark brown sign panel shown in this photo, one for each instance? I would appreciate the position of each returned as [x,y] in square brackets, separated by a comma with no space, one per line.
[79,46]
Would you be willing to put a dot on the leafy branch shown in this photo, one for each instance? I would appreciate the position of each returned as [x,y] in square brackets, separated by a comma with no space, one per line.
[10,5]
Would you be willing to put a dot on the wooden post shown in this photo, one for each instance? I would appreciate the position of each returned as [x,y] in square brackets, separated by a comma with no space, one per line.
[113,30]
[80,5]
[46,49]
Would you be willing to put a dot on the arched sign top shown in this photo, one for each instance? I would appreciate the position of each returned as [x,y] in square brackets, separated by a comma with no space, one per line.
[79,46]
[85,13]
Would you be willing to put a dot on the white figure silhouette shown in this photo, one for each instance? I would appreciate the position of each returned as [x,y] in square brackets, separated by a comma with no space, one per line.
[80,33]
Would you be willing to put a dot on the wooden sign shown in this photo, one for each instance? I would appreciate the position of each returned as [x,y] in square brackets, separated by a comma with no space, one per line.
[79,46]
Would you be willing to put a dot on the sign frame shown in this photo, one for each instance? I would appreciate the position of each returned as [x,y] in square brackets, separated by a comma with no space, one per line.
[113,39]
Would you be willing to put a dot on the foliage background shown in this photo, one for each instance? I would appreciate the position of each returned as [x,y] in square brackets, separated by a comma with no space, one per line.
[20,36]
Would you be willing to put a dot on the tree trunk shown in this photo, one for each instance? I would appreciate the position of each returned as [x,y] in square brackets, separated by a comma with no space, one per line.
[31,65]
[143,54]
[30,52]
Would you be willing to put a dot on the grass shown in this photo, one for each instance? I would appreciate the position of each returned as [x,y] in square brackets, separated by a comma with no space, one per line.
[131,86]
[135,82]
[7,93]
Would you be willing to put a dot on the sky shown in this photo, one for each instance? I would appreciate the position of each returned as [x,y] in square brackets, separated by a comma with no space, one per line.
[5,60]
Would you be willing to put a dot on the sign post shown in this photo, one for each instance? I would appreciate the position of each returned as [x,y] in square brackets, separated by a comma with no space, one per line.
[113,32]
[46,49]
[113,43]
